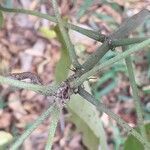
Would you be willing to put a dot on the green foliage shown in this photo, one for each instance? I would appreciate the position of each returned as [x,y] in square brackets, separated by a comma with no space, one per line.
[88,136]
[63,66]
[87,120]
[55,118]
[34,125]
[91,127]
[133,143]
[84,114]
[108,81]
[130,24]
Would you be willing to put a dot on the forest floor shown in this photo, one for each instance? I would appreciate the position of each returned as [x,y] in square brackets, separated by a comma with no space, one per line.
[27,44]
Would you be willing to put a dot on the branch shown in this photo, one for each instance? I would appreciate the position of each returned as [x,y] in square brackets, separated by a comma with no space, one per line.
[92,34]
[127,41]
[36,123]
[125,28]
[53,125]
[108,63]
[48,90]
[101,107]
[45,90]
[65,36]
[94,58]
[136,97]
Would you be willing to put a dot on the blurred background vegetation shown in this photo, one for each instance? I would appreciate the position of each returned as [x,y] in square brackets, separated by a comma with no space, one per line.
[28,43]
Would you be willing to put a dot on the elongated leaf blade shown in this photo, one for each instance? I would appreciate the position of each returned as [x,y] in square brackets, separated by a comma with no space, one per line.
[131,24]
[62,67]
[132,143]
[87,121]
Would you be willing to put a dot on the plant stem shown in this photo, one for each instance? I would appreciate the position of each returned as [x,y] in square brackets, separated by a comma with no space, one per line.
[36,123]
[55,118]
[122,123]
[46,90]
[125,29]
[103,49]
[128,41]
[108,63]
[94,58]
[65,36]
[136,97]
[92,34]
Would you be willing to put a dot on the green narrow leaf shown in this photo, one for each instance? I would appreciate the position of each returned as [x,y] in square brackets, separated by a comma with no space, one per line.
[87,121]
[62,67]
[132,143]
[131,24]
[53,125]
[89,138]
[1,19]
